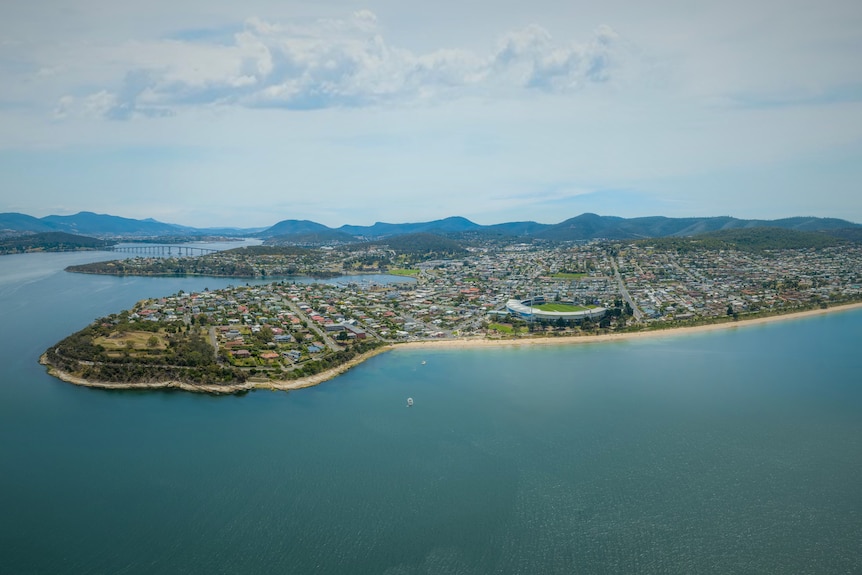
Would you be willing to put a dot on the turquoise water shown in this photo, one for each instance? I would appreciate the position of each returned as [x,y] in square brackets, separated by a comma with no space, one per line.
[737,451]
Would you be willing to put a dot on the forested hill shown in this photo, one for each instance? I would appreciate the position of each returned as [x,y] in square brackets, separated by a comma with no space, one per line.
[430,246]
[50,242]
[746,239]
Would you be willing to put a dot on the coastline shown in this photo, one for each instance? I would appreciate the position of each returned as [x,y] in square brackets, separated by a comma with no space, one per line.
[600,338]
[458,343]
[249,385]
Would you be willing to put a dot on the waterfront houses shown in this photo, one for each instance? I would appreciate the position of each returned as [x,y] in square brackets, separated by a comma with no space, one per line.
[283,324]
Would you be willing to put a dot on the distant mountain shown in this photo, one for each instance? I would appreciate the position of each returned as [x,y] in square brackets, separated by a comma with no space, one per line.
[103,225]
[383,230]
[286,228]
[12,223]
[592,226]
[588,226]
[292,227]
[519,228]
[89,223]
[582,227]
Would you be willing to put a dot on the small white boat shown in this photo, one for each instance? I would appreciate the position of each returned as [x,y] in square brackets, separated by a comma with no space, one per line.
[409,402]
[423,362]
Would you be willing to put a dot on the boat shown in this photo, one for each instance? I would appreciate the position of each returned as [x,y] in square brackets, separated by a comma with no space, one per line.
[409,402]
[423,362]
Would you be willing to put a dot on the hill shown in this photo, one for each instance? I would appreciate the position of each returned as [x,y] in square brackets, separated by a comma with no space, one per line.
[382,230]
[292,227]
[49,242]
[415,247]
[748,240]
[107,225]
[592,226]
[319,238]
[579,228]
[12,223]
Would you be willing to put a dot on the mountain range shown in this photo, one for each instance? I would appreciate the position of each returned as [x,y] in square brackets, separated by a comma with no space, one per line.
[582,227]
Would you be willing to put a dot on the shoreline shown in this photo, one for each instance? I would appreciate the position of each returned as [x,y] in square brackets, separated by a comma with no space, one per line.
[458,343]
[607,337]
[232,388]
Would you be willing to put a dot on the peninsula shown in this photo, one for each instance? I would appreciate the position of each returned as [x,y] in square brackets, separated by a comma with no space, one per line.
[286,335]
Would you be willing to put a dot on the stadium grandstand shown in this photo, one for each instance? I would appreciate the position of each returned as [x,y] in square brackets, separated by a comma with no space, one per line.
[537,309]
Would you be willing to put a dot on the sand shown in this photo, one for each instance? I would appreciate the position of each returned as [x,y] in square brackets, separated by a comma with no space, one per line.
[459,343]
[655,333]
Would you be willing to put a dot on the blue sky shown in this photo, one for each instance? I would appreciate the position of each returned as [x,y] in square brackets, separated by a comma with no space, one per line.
[225,113]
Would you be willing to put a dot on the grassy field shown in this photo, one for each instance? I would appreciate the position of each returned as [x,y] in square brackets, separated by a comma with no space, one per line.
[129,340]
[562,307]
[568,276]
[403,272]
[506,328]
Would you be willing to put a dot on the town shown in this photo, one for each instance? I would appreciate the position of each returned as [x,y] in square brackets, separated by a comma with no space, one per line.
[292,328]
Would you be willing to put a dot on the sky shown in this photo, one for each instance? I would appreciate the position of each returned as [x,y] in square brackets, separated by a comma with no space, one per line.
[224,113]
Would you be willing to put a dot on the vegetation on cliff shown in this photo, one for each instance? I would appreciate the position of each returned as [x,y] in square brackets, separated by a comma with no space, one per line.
[121,350]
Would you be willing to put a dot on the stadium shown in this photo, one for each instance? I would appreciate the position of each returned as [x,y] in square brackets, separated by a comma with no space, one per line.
[531,310]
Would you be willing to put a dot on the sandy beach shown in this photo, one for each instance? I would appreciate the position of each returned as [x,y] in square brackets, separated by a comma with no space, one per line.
[460,343]
[655,333]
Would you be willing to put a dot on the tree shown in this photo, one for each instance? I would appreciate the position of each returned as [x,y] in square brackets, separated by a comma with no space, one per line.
[153,341]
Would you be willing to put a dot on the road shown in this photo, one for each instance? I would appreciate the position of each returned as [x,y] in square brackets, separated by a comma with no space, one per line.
[324,337]
[213,339]
[638,314]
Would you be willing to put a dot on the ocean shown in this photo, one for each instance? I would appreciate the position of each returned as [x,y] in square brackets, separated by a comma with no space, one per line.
[735,451]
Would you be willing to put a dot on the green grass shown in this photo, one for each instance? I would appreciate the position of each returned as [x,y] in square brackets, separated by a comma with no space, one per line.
[403,272]
[568,276]
[501,327]
[562,307]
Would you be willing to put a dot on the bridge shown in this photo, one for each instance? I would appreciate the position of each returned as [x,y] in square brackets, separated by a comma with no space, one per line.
[162,250]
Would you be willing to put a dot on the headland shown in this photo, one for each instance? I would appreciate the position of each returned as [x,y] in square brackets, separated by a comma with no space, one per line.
[454,343]
[295,332]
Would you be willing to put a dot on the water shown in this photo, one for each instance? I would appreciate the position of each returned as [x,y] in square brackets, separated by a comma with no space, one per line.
[736,451]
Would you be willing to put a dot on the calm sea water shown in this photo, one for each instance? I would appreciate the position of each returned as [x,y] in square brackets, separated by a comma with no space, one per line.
[730,452]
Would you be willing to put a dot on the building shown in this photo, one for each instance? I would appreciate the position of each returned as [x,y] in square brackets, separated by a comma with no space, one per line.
[524,310]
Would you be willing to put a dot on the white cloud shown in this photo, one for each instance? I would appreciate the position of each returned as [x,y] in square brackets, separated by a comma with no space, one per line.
[434,108]
[337,63]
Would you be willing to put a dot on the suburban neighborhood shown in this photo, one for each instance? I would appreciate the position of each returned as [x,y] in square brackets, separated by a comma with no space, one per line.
[276,329]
